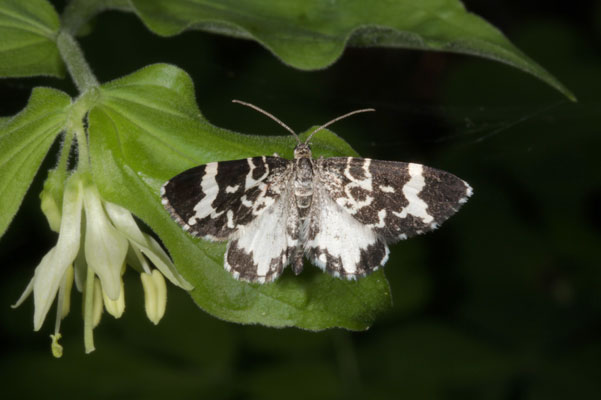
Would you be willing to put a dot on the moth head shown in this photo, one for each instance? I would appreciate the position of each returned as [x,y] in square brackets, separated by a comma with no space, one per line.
[302,150]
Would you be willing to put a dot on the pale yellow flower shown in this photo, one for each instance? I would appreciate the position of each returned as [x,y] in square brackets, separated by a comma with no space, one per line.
[110,232]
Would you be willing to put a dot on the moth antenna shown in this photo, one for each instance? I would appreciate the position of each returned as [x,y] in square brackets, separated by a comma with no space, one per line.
[256,108]
[338,119]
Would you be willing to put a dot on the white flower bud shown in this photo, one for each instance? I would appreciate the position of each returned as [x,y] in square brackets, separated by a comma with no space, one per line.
[155,295]
[115,307]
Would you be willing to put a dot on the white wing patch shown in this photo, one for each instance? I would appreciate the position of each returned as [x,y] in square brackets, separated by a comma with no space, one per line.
[416,207]
[259,251]
[340,243]
[231,189]
[210,189]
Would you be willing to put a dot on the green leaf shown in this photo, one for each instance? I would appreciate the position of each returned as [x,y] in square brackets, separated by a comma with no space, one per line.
[28,31]
[145,129]
[24,141]
[312,34]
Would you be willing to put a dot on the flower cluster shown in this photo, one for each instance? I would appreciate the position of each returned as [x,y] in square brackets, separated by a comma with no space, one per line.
[97,239]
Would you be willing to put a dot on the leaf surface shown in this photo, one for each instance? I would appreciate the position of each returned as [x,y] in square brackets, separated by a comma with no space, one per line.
[28,31]
[145,129]
[24,142]
[312,34]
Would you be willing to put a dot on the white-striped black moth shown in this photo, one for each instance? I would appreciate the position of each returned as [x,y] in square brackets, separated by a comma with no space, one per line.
[339,212]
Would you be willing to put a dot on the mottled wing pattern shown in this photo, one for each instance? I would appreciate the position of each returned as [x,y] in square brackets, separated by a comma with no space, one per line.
[394,199]
[215,200]
[262,249]
[340,244]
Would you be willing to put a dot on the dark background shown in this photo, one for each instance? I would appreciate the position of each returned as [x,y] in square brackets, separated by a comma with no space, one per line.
[502,302]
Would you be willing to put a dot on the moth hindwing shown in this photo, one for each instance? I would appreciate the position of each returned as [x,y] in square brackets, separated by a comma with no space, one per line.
[341,212]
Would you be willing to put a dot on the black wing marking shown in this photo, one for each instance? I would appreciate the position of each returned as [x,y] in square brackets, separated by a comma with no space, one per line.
[396,199]
[214,200]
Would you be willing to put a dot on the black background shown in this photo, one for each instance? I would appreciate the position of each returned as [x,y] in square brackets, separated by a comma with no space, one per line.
[502,302]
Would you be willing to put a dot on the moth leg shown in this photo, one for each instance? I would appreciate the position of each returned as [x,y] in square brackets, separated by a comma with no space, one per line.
[297,262]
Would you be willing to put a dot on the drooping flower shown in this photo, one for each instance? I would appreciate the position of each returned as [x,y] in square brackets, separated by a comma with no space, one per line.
[111,237]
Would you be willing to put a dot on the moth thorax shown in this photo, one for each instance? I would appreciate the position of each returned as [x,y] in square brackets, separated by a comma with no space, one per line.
[303,182]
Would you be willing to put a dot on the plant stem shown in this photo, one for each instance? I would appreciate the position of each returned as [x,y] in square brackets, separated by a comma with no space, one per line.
[83,162]
[75,129]
[76,64]
[65,151]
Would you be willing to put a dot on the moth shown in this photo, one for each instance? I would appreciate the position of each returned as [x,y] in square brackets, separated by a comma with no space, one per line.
[339,212]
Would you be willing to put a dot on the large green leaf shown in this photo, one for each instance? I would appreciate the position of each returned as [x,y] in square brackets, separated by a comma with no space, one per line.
[145,129]
[28,31]
[312,34]
[24,141]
